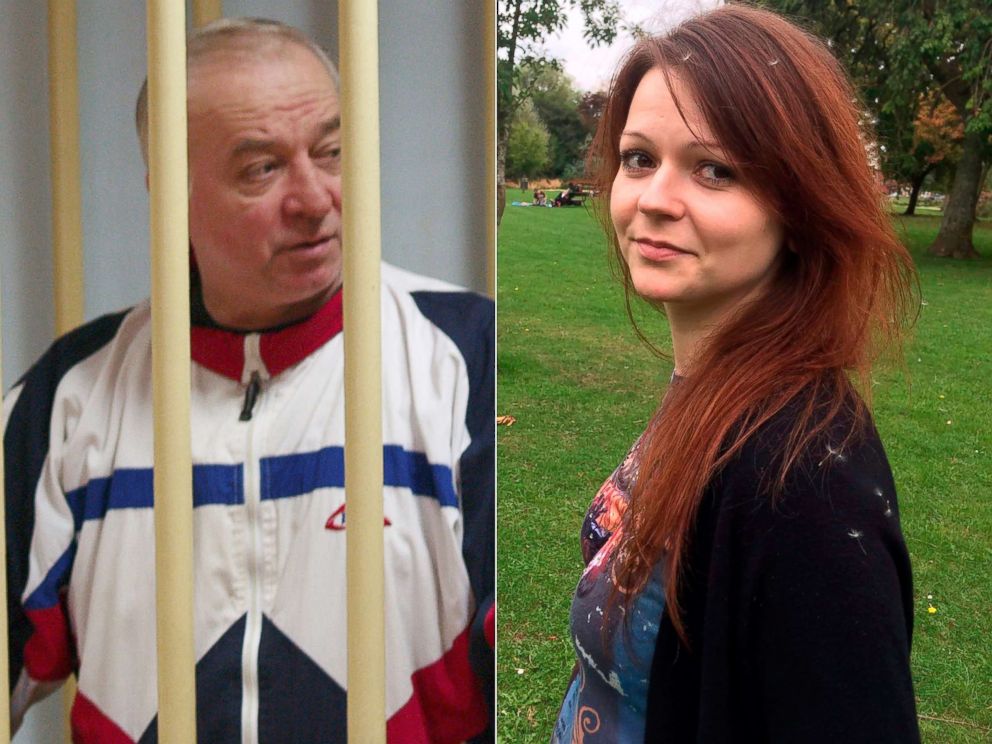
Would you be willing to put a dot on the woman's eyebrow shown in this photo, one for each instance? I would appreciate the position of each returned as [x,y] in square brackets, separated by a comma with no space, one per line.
[708,145]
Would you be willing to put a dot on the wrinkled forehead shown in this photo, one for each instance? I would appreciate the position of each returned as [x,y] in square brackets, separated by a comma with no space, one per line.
[236,70]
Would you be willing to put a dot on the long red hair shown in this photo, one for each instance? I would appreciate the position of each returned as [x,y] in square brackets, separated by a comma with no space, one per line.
[781,106]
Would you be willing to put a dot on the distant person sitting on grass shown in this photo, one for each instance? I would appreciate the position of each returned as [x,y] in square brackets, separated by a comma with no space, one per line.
[746,576]
[540,198]
[567,197]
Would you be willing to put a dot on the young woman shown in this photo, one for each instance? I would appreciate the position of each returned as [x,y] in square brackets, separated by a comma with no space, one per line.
[747,579]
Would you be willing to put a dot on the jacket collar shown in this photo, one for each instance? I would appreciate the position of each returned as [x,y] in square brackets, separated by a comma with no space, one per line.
[237,354]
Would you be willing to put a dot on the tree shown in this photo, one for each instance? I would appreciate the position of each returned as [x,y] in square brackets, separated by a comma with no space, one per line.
[938,135]
[897,49]
[521,25]
[527,147]
[556,102]
[934,148]
[955,38]
[591,109]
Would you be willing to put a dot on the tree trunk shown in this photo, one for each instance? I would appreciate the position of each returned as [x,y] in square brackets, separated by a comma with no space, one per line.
[504,113]
[915,193]
[954,237]
[501,142]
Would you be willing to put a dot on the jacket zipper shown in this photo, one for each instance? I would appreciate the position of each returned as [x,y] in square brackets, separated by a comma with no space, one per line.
[251,395]
[254,373]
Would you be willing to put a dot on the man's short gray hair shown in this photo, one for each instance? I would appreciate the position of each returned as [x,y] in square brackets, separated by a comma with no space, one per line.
[249,35]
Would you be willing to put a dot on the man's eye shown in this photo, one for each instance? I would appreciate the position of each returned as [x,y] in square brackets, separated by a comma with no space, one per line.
[328,157]
[635,160]
[260,171]
[715,174]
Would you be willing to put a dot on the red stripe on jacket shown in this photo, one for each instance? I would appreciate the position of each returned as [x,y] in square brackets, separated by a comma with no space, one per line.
[48,653]
[447,704]
[91,726]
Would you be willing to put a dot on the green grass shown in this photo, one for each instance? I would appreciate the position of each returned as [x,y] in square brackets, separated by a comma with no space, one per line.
[582,387]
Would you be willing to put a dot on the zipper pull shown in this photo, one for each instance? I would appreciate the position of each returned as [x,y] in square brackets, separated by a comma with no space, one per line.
[251,395]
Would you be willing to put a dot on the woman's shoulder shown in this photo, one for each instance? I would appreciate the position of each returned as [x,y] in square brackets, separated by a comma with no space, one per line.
[794,466]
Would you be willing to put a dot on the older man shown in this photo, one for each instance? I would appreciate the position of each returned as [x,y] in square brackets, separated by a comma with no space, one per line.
[267,434]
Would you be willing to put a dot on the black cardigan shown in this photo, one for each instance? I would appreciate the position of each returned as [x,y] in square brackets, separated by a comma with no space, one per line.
[799,610]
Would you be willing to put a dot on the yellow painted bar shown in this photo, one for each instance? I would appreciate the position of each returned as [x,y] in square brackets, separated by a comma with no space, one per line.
[67,220]
[171,371]
[358,35]
[490,66]
[63,112]
[205,11]
[4,675]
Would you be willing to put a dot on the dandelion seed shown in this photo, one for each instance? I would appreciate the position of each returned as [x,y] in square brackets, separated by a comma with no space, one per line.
[773,63]
[888,506]
[857,535]
[520,671]
[948,422]
[686,57]
[831,452]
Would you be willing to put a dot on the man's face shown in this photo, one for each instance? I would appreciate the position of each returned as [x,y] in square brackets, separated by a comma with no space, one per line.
[265,185]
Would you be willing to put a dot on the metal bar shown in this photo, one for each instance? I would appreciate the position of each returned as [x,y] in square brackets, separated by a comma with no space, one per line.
[358,32]
[63,112]
[67,221]
[205,11]
[4,674]
[491,188]
[171,371]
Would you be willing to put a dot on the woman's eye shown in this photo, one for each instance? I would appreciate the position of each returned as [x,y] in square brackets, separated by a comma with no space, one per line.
[715,174]
[635,160]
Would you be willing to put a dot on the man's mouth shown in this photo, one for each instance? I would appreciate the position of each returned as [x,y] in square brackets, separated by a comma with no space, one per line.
[310,244]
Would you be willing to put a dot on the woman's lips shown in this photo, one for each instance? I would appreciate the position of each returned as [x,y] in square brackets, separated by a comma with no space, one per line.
[658,250]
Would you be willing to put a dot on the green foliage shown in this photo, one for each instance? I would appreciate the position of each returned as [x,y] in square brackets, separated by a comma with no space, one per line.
[582,388]
[527,148]
[901,52]
[556,102]
[521,27]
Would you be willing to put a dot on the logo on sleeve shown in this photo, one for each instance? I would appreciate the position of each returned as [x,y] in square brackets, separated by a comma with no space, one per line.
[336,520]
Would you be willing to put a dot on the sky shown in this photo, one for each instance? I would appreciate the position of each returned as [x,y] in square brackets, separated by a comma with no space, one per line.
[592,68]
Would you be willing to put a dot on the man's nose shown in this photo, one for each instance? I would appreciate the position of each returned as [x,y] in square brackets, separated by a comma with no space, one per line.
[313,191]
[662,194]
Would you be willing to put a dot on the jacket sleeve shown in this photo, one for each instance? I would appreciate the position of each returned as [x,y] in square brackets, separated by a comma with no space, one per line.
[478,486]
[469,321]
[826,598]
[41,518]
[40,550]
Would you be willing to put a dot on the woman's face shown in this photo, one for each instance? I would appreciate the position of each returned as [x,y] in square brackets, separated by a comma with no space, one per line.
[693,238]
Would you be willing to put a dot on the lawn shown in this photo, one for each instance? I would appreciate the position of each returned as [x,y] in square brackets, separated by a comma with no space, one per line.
[581,387]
